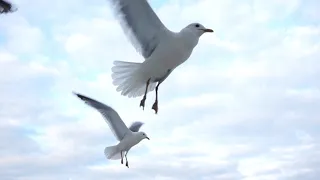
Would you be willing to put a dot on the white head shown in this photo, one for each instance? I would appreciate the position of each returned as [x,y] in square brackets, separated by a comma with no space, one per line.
[143,135]
[198,29]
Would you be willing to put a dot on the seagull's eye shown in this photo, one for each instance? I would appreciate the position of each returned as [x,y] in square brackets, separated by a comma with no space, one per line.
[197,25]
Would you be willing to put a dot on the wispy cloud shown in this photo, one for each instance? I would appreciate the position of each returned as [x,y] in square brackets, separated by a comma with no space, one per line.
[244,106]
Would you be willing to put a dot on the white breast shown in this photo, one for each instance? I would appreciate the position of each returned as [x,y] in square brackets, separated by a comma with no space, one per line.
[127,142]
[170,53]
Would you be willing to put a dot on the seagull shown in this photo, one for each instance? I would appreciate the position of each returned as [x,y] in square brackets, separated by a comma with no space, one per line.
[127,137]
[162,49]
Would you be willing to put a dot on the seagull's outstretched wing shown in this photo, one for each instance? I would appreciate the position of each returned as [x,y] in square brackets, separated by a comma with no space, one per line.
[113,119]
[135,126]
[141,24]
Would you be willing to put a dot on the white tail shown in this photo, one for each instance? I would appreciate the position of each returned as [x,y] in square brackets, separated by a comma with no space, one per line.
[112,153]
[129,79]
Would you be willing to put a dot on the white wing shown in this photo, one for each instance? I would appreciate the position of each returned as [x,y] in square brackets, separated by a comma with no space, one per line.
[140,24]
[135,126]
[112,118]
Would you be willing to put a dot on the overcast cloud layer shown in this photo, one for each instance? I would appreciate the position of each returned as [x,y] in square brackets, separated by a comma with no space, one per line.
[244,106]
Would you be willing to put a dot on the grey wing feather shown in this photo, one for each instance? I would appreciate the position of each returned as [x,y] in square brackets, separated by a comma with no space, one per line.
[135,126]
[140,23]
[112,118]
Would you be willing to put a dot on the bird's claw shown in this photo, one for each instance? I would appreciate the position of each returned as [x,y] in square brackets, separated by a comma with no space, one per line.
[155,107]
[142,103]
[127,164]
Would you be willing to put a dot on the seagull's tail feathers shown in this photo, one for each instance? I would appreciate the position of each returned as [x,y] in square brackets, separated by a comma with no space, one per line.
[129,79]
[112,153]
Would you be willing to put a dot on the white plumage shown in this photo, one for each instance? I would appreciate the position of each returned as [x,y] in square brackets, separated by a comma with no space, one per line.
[127,137]
[162,49]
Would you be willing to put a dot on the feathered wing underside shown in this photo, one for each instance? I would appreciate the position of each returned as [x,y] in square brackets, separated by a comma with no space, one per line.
[128,78]
[140,23]
[135,126]
[112,118]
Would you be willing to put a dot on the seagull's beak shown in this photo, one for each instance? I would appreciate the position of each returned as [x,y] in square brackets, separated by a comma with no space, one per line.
[147,138]
[207,30]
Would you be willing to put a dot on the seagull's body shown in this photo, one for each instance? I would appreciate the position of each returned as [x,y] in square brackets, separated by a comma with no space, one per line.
[174,50]
[128,142]
[127,137]
[162,49]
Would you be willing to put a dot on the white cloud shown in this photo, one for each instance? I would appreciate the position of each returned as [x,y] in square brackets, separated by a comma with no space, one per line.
[21,35]
[243,107]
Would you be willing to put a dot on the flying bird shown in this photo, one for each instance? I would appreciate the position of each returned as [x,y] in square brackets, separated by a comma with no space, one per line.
[127,137]
[162,49]
[6,7]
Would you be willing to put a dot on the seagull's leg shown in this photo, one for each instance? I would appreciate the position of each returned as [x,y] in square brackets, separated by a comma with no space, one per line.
[127,164]
[155,104]
[121,157]
[145,94]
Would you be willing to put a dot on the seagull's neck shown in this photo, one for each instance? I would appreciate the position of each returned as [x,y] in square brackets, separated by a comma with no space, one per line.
[137,136]
[189,38]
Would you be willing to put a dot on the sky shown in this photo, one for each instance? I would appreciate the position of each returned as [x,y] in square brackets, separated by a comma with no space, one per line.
[244,106]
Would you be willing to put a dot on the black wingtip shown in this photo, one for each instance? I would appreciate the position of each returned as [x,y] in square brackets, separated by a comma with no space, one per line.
[83,97]
[78,95]
[75,93]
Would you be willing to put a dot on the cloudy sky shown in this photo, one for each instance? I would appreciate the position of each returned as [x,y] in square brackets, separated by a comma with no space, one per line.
[244,106]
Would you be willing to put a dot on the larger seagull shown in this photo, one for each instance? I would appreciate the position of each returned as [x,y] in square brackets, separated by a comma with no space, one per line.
[162,49]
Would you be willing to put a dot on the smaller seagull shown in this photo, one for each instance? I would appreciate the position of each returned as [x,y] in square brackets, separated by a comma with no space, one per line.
[128,137]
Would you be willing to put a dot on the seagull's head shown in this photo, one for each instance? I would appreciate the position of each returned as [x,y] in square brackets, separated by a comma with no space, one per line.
[198,29]
[143,135]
